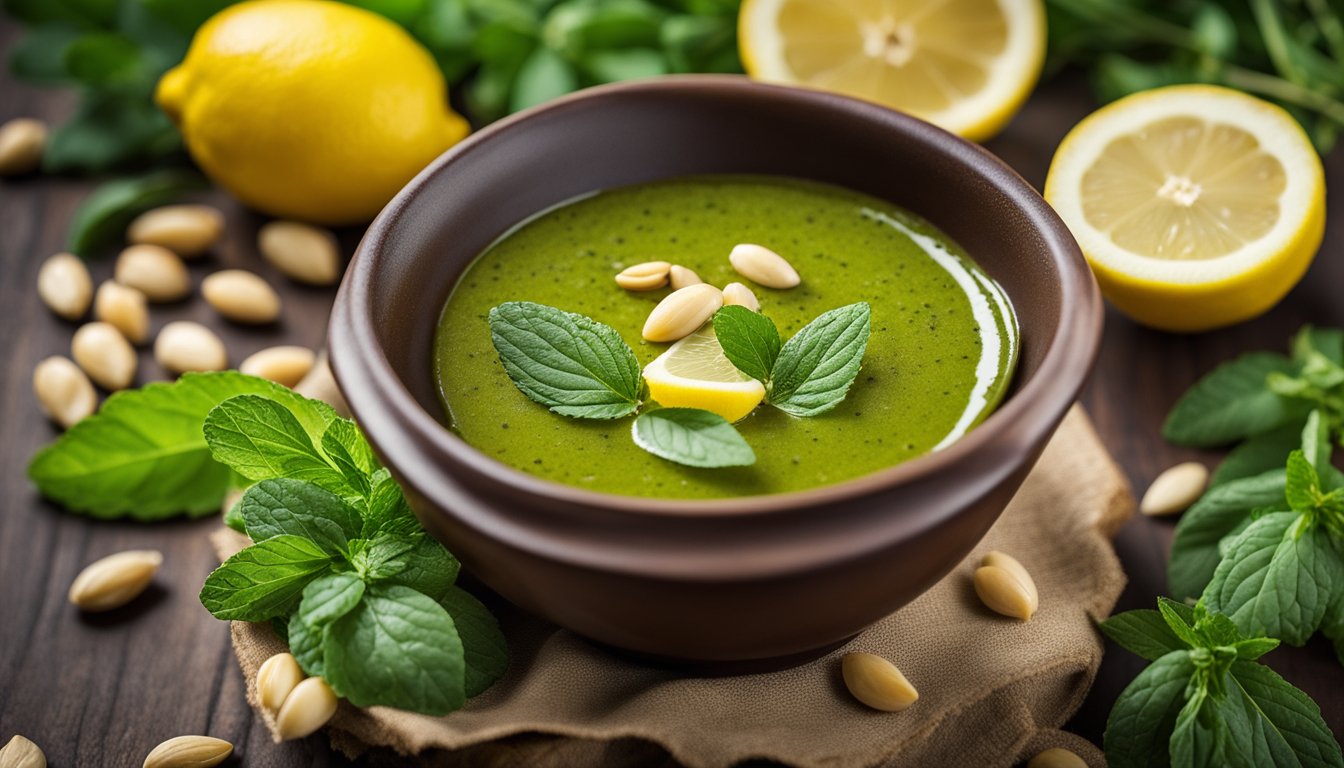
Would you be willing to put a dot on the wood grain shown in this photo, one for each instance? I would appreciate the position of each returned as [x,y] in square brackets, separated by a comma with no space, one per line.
[105,690]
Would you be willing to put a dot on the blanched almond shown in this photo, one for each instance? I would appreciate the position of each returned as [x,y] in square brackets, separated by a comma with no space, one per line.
[115,580]
[189,752]
[308,707]
[19,752]
[276,679]
[681,312]
[241,296]
[1175,489]
[1010,564]
[1003,593]
[154,271]
[762,265]
[679,277]
[64,392]
[1056,757]
[302,252]
[104,354]
[286,365]
[187,230]
[877,682]
[123,307]
[320,384]
[64,285]
[22,142]
[649,276]
[186,346]
[737,294]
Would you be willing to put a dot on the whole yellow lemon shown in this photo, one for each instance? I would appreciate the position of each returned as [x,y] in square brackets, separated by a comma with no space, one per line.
[308,109]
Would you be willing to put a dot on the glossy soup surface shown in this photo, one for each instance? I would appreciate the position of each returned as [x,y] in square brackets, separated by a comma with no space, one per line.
[942,350]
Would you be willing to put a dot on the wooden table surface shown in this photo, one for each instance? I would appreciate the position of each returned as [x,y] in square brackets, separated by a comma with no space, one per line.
[103,690]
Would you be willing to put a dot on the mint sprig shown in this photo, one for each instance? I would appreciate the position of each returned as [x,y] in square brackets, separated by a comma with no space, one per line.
[1205,701]
[749,339]
[692,437]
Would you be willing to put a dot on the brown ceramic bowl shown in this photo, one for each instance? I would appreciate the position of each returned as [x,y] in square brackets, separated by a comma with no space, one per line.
[754,578]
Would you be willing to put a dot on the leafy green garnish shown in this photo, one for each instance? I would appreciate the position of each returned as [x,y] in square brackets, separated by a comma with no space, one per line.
[1233,402]
[692,437]
[143,455]
[1205,701]
[1221,513]
[749,339]
[816,367]
[366,598]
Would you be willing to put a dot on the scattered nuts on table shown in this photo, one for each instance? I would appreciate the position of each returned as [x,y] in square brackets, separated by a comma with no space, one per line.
[1056,757]
[187,230]
[277,677]
[285,365]
[649,276]
[19,752]
[63,391]
[22,142]
[679,277]
[762,265]
[1003,592]
[877,682]
[114,580]
[154,271]
[308,707]
[105,355]
[302,252]
[241,296]
[64,285]
[1175,489]
[1010,564]
[737,294]
[189,752]
[123,307]
[186,346]
[681,312]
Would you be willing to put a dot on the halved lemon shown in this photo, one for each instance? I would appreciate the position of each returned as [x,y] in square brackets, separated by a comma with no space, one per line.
[694,373]
[964,65]
[1197,206]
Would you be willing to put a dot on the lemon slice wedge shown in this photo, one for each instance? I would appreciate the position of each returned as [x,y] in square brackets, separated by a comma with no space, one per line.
[694,373]
[1197,206]
[964,65]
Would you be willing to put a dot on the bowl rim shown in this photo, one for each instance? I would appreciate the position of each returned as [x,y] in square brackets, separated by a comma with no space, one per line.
[375,392]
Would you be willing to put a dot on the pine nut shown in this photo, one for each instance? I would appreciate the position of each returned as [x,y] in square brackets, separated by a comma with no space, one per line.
[276,679]
[877,682]
[320,384]
[187,230]
[1003,593]
[22,142]
[762,265]
[284,365]
[154,271]
[302,252]
[1010,564]
[649,276]
[105,355]
[1056,757]
[123,307]
[63,391]
[114,580]
[186,346]
[241,296]
[1175,489]
[19,752]
[679,277]
[737,294]
[64,285]
[681,312]
[308,707]
[189,752]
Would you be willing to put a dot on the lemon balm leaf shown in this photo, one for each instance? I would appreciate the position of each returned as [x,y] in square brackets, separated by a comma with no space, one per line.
[692,437]
[816,367]
[569,363]
[749,339]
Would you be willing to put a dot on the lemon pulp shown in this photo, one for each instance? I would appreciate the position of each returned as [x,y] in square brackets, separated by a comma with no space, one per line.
[694,373]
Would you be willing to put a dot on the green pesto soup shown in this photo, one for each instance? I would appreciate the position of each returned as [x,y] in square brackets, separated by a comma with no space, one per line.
[940,355]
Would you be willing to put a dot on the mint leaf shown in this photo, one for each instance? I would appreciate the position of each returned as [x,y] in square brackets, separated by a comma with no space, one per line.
[1202,736]
[285,506]
[260,438]
[1232,402]
[387,508]
[817,365]
[1255,647]
[396,648]
[483,644]
[692,437]
[265,580]
[569,363]
[328,598]
[346,448]
[142,455]
[1277,579]
[749,339]
[1143,632]
[1194,551]
[1144,716]
[421,563]
[1328,342]
[1303,488]
[1258,455]
[305,642]
[1288,723]
[1316,442]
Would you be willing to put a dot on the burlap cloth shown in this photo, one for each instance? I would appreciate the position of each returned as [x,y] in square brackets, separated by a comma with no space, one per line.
[993,691]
